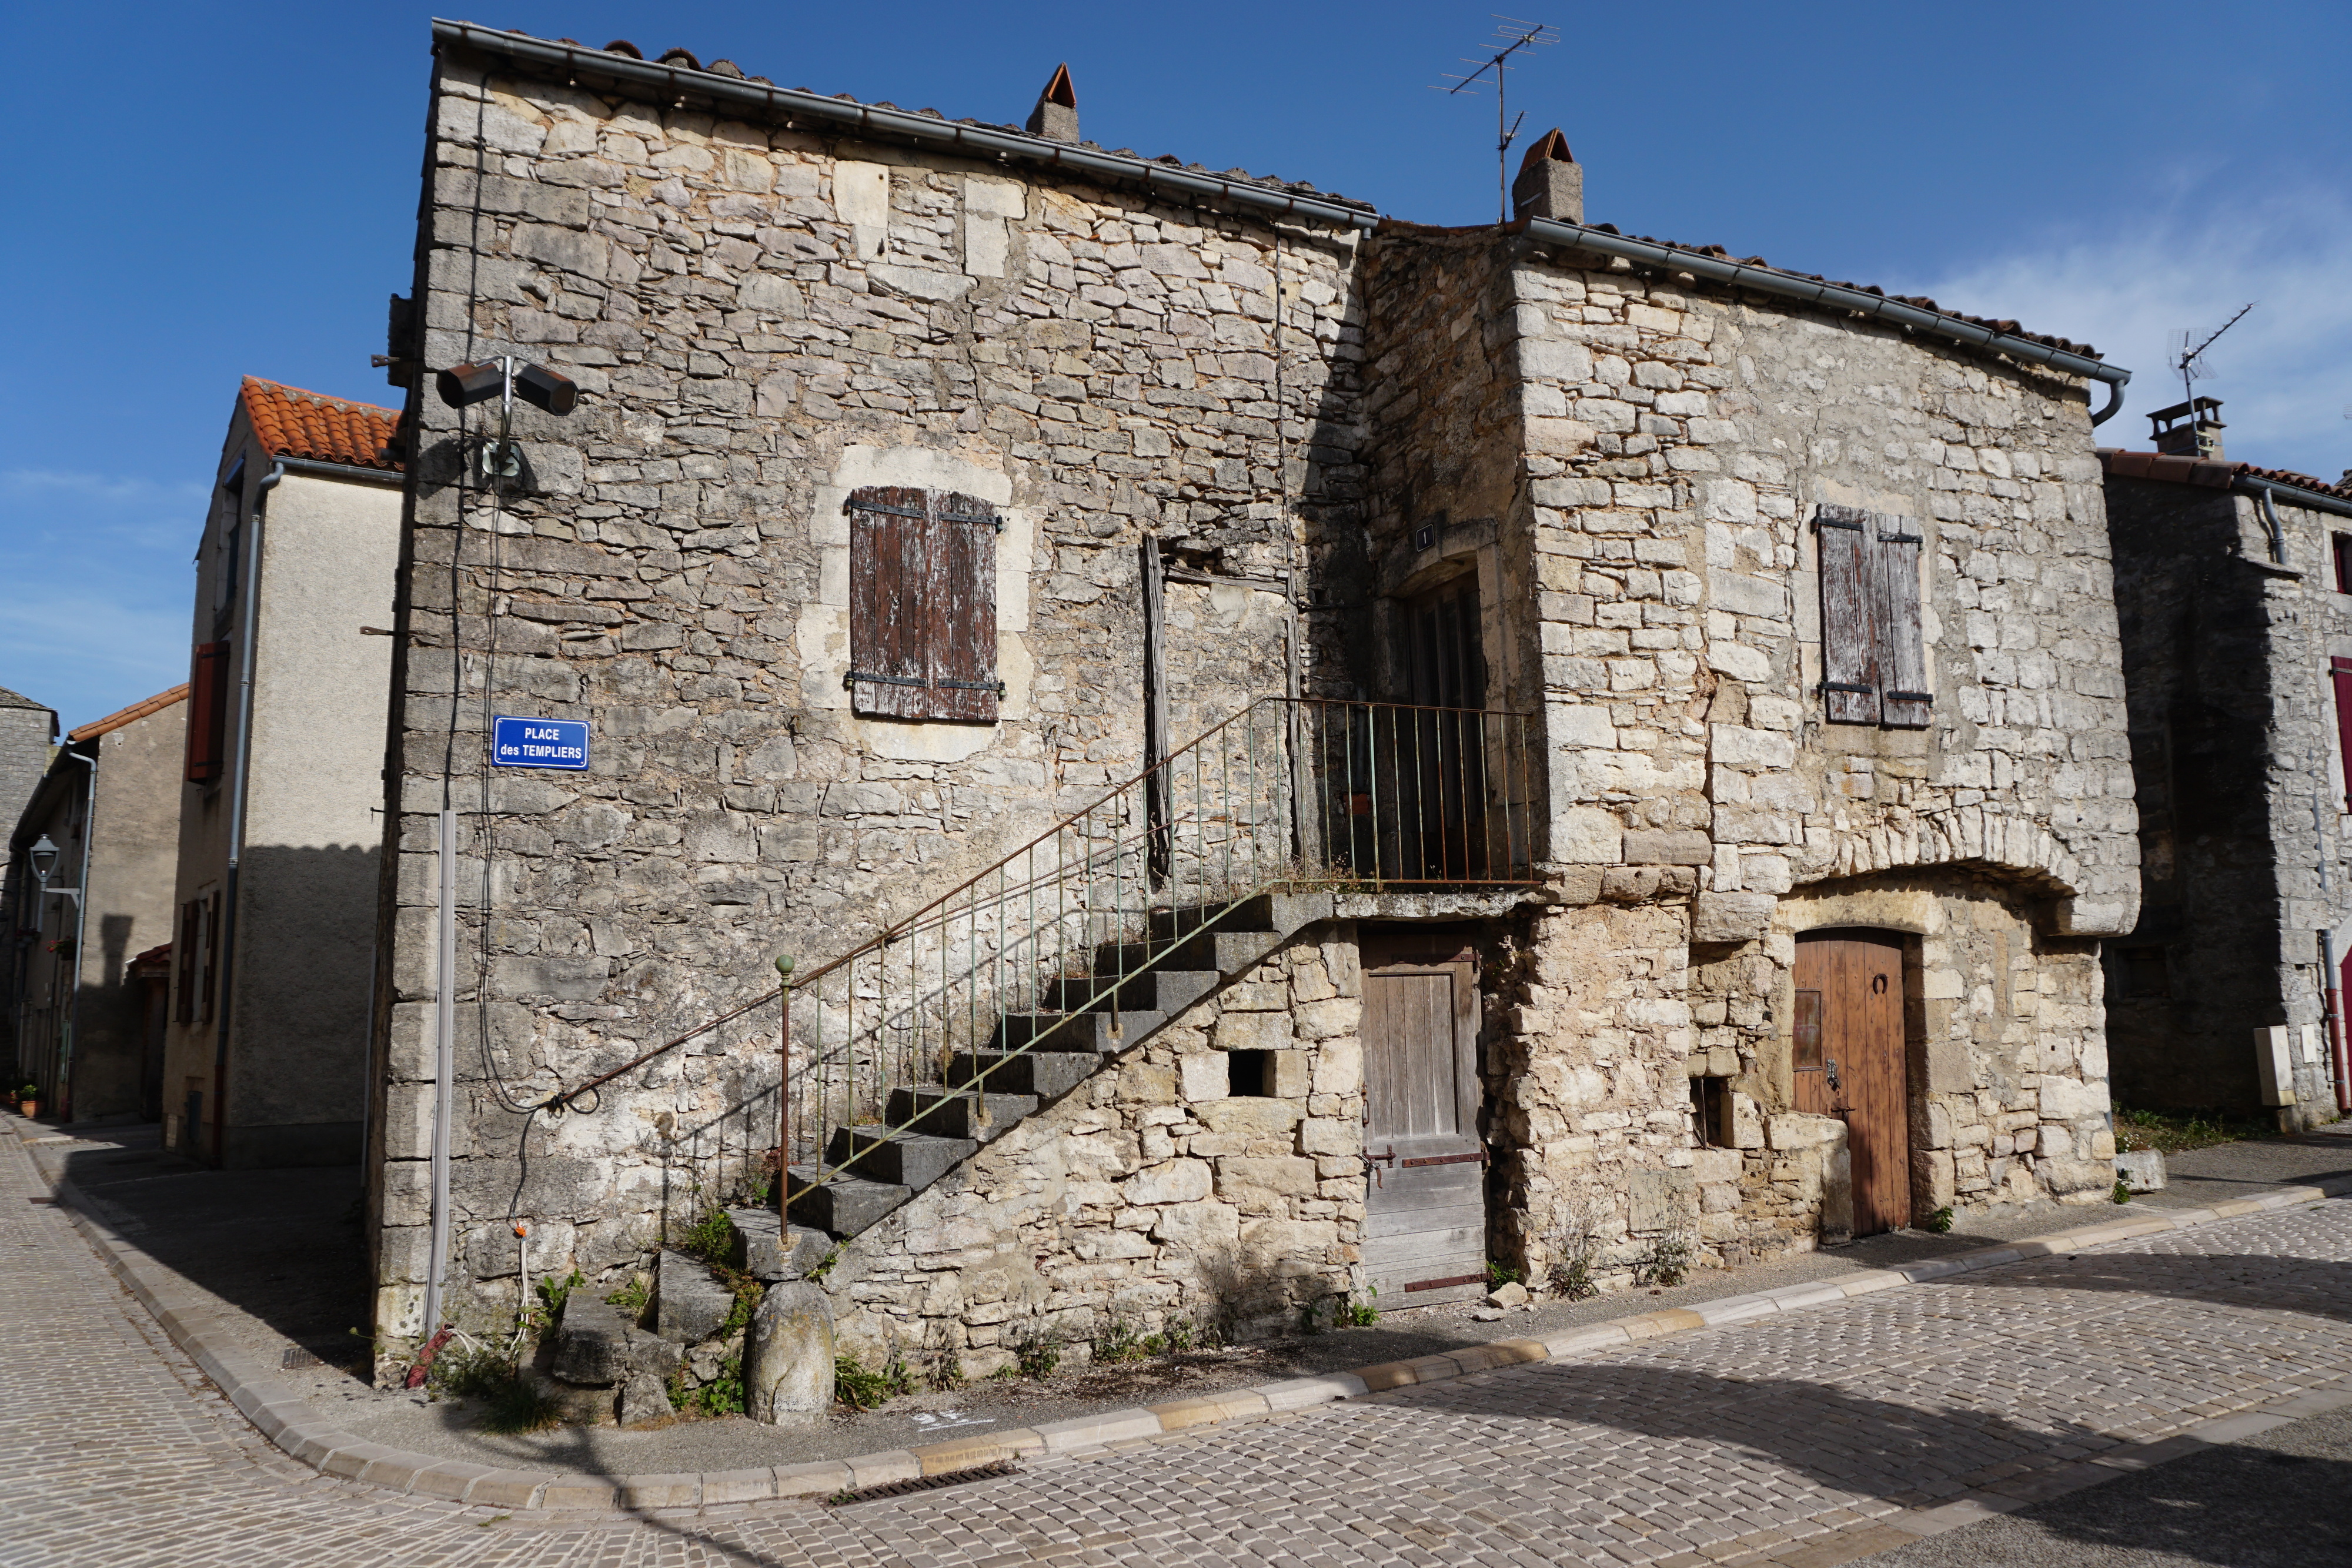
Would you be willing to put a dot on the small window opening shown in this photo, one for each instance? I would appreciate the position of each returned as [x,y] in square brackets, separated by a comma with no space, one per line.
[2342,547]
[2146,973]
[1711,1112]
[1250,1072]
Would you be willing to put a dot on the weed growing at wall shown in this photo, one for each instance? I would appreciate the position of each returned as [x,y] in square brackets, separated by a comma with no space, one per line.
[1665,1262]
[861,1388]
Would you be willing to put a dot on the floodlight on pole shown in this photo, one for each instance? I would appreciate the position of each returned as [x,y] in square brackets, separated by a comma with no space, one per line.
[462,386]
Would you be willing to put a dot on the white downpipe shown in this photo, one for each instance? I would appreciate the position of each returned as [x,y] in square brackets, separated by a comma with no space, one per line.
[444,1032]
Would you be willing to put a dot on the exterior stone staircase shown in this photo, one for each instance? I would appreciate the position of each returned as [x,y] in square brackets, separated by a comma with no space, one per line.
[1134,990]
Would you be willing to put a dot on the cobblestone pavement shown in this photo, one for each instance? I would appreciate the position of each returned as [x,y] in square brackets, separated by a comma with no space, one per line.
[1724,1445]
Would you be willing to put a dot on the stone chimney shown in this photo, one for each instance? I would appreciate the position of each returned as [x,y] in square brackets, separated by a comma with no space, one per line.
[1550,182]
[2191,429]
[1056,114]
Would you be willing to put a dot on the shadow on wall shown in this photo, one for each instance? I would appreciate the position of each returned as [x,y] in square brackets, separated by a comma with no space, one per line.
[306,942]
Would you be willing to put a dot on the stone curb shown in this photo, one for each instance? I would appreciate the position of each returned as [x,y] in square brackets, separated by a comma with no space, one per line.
[279,1413]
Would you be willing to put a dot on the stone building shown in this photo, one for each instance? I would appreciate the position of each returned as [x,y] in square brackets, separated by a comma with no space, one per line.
[2231,586]
[105,817]
[1627,712]
[28,735]
[275,937]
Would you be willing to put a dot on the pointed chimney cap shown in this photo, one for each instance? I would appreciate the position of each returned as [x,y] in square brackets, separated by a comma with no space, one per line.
[1550,145]
[1056,117]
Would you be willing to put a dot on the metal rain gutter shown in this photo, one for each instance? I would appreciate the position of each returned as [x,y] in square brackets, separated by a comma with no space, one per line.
[1838,297]
[983,142]
[2292,494]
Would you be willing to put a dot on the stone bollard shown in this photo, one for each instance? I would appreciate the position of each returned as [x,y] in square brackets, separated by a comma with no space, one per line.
[2141,1170]
[788,1356]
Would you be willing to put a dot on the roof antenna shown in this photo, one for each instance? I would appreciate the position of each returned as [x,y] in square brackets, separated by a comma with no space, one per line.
[1514,34]
[2191,362]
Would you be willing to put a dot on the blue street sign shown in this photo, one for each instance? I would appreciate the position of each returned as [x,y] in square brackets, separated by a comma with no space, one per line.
[539,742]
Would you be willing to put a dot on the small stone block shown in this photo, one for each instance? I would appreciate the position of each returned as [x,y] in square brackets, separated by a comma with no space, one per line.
[738,1486]
[1668,1320]
[1305,1392]
[1088,1431]
[1931,1268]
[347,1459]
[1574,1341]
[814,1479]
[448,1479]
[1387,1375]
[675,1489]
[1739,1309]
[1788,1298]
[313,1442]
[881,1469]
[1517,1352]
[1873,1279]
[1179,1414]
[579,1491]
[394,1469]
[508,1488]
[971,1453]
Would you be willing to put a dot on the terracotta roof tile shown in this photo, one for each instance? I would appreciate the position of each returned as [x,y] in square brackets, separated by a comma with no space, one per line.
[291,423]
[2172,470]
[131,715]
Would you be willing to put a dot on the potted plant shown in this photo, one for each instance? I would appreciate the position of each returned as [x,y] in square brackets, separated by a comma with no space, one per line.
[29,1100]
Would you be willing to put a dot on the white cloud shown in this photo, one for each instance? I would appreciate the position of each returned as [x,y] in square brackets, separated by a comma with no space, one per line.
[2284,372]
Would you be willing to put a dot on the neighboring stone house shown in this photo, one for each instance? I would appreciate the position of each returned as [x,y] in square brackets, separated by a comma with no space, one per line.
[106,816]
[29,734]
[1670,707]
[2231,584]
[274,945]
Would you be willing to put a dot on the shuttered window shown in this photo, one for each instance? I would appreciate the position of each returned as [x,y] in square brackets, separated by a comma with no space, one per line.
[1874,649]
[208,711]
[2341,671]
[922,605]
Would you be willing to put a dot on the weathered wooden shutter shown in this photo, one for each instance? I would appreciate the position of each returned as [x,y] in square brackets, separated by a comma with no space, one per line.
[2341,671]
[890,529]
[962,607]
[208,711]
[1850,597]
[1904,701]
[184,954]
[922,597]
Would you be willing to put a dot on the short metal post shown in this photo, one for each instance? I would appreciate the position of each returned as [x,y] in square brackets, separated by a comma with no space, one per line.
[783,1080]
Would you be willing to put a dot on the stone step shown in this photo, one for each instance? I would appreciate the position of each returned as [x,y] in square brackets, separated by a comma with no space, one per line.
[1282,912]
[844,1206]
[958,1112]
[1073,1032]
[907,1159]
[768,1249]
[1225,950]
[1047,1074]
[1161,990]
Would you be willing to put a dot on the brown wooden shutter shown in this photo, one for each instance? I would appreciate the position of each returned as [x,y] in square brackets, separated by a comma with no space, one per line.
[889,536]
[1849,596]
[208,981]
[183,956]
[962,608]
[208,711]
[1904,701]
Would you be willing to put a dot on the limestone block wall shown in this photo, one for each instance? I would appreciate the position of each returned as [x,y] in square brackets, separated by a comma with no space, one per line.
[760,319]
[1686,439]
[2241,784]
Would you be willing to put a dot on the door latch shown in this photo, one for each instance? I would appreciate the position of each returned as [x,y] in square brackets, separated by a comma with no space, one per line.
[1370,1160]
[1830,1067]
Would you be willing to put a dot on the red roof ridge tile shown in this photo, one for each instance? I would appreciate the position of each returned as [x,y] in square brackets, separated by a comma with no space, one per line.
[131,715]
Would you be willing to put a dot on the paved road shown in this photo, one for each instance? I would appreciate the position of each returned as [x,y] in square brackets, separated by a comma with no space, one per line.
[1740,1444]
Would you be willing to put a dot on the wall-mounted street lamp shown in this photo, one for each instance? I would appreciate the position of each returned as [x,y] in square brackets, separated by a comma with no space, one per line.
[44,856]
[462,386]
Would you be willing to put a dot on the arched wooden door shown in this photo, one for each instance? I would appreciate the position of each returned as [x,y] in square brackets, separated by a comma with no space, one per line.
[1850,1062]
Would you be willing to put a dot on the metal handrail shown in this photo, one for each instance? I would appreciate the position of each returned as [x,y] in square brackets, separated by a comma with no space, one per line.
[1288,794]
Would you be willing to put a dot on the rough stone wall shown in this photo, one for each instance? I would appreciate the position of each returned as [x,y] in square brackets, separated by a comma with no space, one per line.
[1151,1195]
[1680,442]
[2233,745]
[760,319]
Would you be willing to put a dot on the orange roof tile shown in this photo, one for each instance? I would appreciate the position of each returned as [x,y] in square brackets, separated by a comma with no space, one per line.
[131,715]
[291,423]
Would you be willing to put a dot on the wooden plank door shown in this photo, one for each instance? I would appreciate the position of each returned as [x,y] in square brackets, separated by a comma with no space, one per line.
[1425,1196]
[1848,1060]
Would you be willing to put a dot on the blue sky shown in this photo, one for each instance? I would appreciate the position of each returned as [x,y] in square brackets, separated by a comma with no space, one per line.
[211,190]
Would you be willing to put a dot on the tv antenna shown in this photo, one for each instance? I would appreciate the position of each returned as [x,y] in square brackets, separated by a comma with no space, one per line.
[1514,35]
[2191,362]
